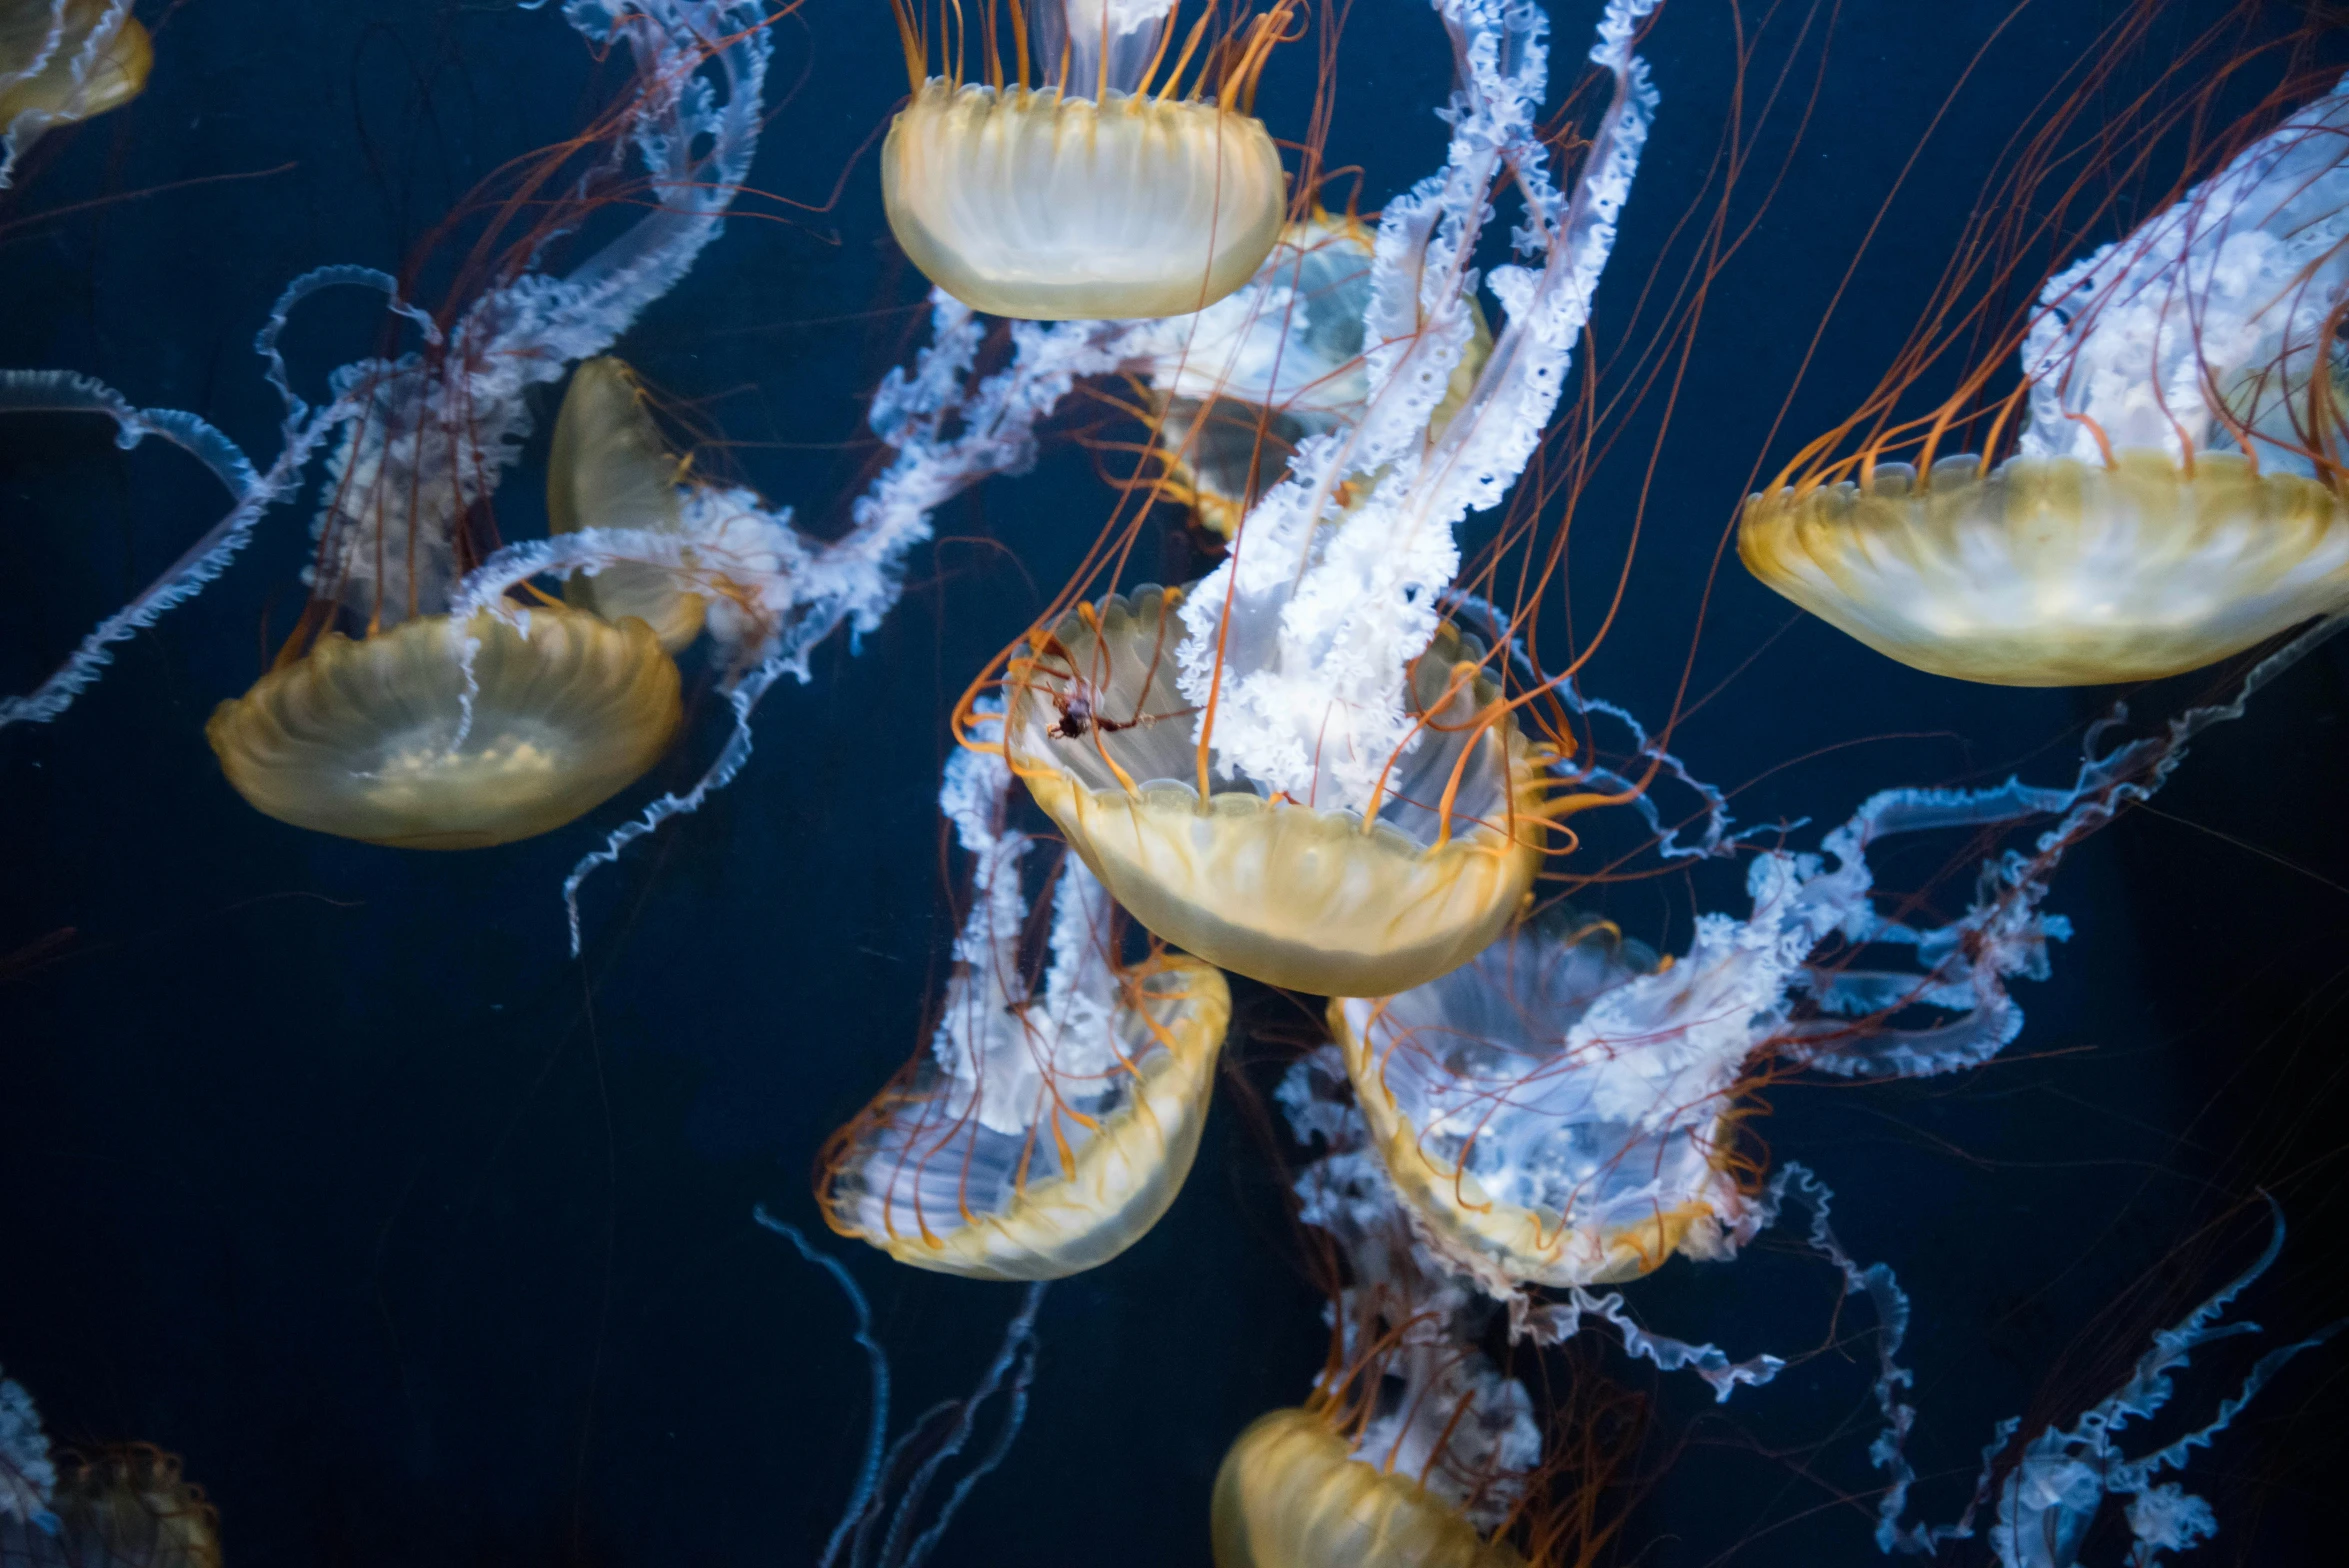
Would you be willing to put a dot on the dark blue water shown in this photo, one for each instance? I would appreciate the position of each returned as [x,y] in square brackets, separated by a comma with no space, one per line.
[324,1166]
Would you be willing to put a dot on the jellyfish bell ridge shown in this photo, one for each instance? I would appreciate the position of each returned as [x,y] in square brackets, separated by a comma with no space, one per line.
[1290,1494]
[934,1187]
[1311,900]
[1527,1156]
[372,739]
[2053,571]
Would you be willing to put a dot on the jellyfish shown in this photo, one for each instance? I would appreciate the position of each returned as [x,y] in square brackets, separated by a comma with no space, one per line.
[1414,1449]
[1561,1112]
[1043,1133]
[28,1476]
[2172,496]
[394,714]
[63,61]
[1235,388]
[1297,769]
[609,468]
[1083,178]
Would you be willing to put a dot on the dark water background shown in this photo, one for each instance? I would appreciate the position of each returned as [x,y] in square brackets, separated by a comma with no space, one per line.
[321,1165]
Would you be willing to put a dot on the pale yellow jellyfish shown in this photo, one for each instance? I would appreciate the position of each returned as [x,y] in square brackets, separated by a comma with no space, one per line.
[1078,181]
[66,60]
[610,468]
[1291,1494]
[2174,491]
[1338,902]
[1040,1134]
[380,738]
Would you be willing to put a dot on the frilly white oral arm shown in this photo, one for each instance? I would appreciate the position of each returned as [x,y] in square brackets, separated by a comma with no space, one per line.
[2216,314]
[27,1473]
[1326,612]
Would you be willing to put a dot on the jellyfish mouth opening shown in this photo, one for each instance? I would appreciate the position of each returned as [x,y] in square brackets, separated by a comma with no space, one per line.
[2056,572]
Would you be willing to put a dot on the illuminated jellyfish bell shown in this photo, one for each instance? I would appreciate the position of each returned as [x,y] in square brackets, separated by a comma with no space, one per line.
[66,60]
[1551,1120]
[609,468]
[1337,901]
[1095,193]
[386,738]
[2174,495]
[1042,1134]
[1236,387]
[1291,1494]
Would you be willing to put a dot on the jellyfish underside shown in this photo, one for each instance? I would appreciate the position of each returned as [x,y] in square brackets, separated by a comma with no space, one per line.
[1290,1495]
[609,468]
[1573,1191]
[1034,205]
[371,739]
[2053,572]
[1276,890]
[943,1192]
[115,75]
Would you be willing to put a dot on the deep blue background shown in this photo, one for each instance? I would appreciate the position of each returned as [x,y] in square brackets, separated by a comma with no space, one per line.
[322,1166]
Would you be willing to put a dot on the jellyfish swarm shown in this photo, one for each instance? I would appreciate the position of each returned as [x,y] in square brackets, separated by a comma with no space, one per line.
[1294,768]
[1063,186]
[1044,1133]
[2173,496]
[1235,388]
[1414,1449]
[436,726]
[63,61]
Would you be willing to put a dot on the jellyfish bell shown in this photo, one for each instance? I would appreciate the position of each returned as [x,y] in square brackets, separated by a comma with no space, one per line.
[1332,901]
[1044,1133]
[395,740]
[1088,195]
[1290,1494]
[2173,495]
[609,468]
[1539,1137]
[66,60]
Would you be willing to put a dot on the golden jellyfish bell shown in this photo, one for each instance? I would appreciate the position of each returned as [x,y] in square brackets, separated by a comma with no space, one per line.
[2055,572]
[610,468]
[932,1186]
[1290,1495]
[83,76]
[1090,196]
[372,739]
[1312,900]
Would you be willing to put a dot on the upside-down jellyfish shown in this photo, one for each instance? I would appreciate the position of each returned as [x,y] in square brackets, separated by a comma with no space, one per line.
[1043,1133]
[2173,494]
[1294,768]
[1088,194]
[62,61]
